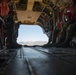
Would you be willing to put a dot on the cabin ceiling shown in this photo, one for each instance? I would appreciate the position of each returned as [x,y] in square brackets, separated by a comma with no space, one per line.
[30,10]
[38,12]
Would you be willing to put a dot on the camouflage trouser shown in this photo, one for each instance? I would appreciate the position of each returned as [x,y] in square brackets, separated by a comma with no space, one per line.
[53,36]
[68,32]
[15,35]
[9,40]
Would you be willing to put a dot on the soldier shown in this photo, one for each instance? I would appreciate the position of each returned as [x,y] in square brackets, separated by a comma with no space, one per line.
[10,28]
[70,25]
[15,35]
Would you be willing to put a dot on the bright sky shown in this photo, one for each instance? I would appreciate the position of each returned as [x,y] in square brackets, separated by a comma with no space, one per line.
[31,33]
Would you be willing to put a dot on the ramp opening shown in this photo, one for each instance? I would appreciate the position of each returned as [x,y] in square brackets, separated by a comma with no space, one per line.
[31,35]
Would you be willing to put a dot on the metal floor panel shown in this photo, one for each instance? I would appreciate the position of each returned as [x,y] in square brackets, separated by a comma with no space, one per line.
[17,67]
[31,61]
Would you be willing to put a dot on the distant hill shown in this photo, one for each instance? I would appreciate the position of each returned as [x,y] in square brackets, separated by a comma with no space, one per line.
[31,43]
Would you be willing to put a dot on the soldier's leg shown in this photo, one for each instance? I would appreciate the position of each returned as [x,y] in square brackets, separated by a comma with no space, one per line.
[54,38]
[9,40]
[62,36]
[50,38]
[70,32]
[69,35]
